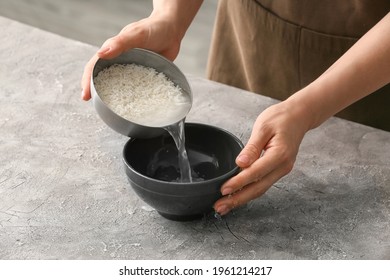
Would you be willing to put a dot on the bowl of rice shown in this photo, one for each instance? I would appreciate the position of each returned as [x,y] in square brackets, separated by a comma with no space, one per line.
[139,93]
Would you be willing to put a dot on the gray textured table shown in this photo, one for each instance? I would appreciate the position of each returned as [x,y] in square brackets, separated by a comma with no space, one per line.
[64,194]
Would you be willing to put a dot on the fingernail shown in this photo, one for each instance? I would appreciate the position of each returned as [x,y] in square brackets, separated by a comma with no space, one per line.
[244,159]
[222,210]
[226,191]
[82,94]
[104,50]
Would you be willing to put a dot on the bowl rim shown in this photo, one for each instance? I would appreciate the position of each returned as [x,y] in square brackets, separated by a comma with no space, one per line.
[188,184]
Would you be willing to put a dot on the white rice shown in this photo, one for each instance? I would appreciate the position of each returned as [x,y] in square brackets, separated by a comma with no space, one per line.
[141,95]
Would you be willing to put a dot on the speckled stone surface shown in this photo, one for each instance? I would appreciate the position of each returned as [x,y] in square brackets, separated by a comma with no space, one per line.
[64,193]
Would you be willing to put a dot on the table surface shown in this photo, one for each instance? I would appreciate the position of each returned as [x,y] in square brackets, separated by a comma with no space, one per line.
[64,193]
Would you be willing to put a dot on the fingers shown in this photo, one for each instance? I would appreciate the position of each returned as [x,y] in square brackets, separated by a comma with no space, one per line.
[116,45]
[269,155]
[106,51]
[128,38]
[255,180]
[150,33]
[86,79]
[257,171]
[254,148]
[249,157]
[255,189]
[110,49]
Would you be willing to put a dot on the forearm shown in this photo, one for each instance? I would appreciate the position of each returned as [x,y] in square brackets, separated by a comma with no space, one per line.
[179,12]
[359,72]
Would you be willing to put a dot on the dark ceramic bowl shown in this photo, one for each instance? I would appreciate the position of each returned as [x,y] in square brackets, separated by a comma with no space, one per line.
[152,169]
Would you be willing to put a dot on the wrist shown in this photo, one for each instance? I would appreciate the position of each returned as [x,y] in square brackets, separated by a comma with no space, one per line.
[177,14]
[303,110]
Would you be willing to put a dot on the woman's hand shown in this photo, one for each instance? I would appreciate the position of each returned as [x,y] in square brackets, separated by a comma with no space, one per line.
[269,155]
[279,130]
[152,33]
[161,32]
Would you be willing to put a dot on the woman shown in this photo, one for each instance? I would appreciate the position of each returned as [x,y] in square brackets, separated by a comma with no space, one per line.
[281,48]
[278,47]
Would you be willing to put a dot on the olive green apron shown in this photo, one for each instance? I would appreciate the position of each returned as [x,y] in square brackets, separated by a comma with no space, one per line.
[276,47]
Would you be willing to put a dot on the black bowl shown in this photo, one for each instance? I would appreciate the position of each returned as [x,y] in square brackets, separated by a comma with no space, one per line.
[152,169]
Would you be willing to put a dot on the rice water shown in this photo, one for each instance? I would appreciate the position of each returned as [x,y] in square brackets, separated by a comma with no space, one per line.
[178,134]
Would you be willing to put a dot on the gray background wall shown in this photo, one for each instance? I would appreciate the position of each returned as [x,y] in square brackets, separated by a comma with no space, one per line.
[93,21]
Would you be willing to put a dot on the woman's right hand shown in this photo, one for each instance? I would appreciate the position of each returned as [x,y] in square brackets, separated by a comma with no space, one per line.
[161,32]
[155,33]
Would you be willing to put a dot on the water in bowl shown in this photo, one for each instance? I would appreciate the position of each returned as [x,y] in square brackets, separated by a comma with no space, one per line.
[171,164]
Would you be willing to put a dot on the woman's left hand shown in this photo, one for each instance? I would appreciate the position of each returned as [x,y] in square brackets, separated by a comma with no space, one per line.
[278,131]
[269,155]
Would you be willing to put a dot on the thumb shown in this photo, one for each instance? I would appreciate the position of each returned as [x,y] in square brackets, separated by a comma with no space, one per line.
[110,49]
[130,37]
[252,150]
[113,47]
